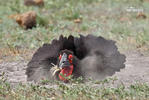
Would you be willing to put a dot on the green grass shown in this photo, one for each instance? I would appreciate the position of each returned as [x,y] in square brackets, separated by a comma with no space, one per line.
[99,17]
[75,90]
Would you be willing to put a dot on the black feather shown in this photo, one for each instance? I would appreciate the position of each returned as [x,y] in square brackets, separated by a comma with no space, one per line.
[95,57]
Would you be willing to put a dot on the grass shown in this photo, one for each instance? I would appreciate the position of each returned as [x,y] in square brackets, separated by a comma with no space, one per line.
[99,17]
[75,90]
[107,18]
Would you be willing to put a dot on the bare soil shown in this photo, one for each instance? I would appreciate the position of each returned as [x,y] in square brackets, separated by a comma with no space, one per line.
[136,70]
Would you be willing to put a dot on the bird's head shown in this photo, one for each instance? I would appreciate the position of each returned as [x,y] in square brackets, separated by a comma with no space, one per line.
[64,65]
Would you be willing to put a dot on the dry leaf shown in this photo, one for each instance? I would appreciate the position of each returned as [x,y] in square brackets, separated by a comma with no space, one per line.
[26,20]
[123,19]
[34,2]
[78,20]
[141,15]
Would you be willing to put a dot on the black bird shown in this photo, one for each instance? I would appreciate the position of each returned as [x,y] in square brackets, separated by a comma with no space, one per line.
[86,56]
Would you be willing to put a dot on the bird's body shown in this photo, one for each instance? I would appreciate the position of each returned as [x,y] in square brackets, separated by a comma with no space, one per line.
[86,56]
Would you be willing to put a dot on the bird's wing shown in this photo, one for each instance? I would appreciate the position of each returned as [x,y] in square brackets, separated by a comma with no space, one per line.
[100,56]
[45,56]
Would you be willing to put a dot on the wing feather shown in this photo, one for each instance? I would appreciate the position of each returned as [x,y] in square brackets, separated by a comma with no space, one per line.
[96,57]
[41,62]
[101,57]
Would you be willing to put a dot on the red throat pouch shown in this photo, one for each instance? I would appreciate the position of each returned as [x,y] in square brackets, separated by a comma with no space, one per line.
[66,72]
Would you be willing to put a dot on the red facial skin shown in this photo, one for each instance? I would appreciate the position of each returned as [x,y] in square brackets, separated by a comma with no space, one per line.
[67,71]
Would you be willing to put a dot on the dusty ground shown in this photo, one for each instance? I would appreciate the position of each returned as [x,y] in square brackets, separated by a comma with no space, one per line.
[137,70]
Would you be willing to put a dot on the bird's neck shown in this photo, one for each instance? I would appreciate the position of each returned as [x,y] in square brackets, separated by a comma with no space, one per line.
[66,72]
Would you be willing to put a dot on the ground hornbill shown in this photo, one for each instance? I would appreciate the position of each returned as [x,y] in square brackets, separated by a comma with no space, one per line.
[86,56]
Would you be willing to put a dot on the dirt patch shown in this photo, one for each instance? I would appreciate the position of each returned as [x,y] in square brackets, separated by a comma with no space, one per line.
[136,70]
[14,71]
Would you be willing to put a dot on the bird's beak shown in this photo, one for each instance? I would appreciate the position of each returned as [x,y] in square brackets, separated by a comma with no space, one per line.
[64,62]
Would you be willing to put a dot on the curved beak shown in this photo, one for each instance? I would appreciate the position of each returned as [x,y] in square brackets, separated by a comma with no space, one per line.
[64,62]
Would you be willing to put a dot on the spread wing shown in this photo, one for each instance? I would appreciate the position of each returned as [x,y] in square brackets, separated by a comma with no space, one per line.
[41,62]
[99,57]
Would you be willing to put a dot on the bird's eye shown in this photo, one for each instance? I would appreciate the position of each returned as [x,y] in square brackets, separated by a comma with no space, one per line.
[70,57]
